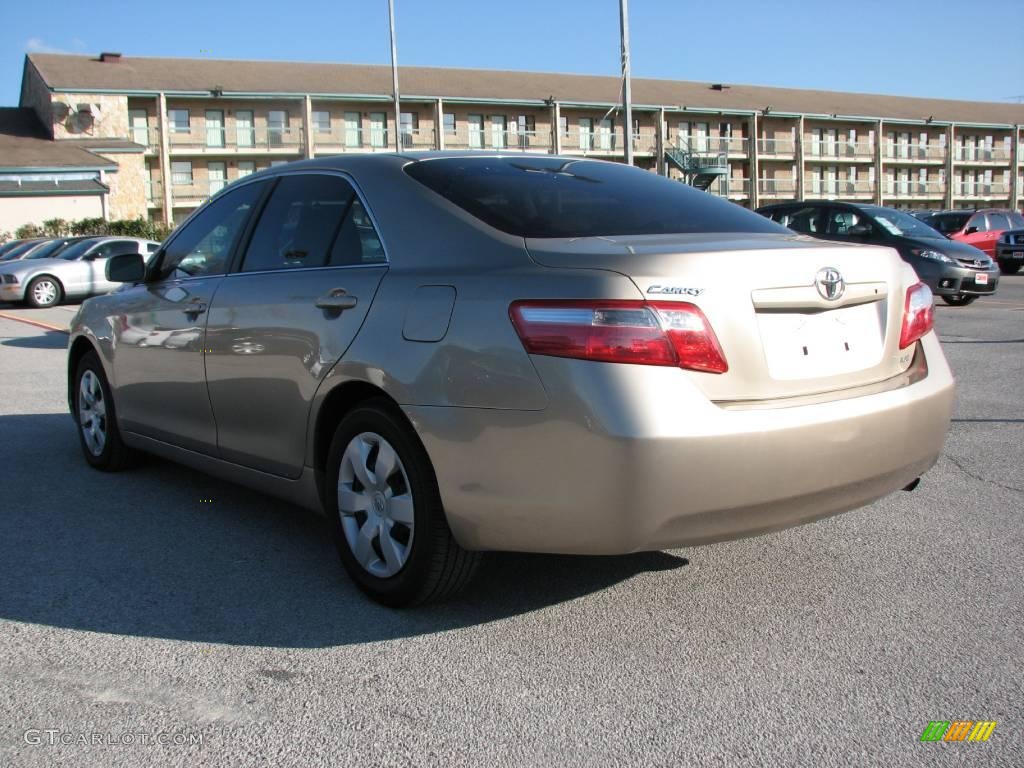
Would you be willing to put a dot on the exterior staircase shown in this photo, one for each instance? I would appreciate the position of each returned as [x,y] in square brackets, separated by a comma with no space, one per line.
[699,168]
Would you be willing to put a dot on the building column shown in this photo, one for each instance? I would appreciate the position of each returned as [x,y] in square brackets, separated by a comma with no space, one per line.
[307,127]
[165,158]
[755,167]
[1014,168]
[879,162]
[556,127]
[659,143]
[800,159]
[950,152]
[439,124]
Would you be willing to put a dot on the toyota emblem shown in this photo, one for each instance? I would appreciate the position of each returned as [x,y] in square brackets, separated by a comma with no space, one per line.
[830,284]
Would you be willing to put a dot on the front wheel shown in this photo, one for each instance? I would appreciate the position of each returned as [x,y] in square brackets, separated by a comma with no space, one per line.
[97,421]
[387,520]
[960,300]
[44,291]
[1009,267]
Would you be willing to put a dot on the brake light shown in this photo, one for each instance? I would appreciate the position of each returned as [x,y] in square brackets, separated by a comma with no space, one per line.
[665,333]
[918,314]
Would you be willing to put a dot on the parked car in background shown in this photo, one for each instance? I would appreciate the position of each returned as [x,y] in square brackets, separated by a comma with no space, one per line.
[449,354]
[51,248]
[980,228]
[18,248]
[77,270]
[1010,251]
[957,272]
[8,245]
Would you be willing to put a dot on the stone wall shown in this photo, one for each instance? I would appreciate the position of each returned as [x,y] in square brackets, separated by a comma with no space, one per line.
[127,198]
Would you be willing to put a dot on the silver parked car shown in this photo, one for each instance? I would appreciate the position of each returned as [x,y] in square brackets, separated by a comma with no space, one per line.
[60,269]
[453,353]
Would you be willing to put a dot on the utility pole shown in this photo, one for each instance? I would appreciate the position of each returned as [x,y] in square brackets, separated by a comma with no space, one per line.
[394,75]
[626,90]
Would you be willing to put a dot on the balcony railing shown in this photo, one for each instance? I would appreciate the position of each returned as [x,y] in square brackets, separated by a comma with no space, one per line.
[730,145]
[898,189]
[967,154]
[776,147]
[981,190]
[913,151]
[738,187]
[838,188]
[776,187]
[196,192]
[147,137]
[607,142]
[237,139]
[342,139]
[466,137]
[840,149]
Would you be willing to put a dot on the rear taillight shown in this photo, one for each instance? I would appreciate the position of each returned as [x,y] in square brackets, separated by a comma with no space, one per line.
[644,333]
[918,314]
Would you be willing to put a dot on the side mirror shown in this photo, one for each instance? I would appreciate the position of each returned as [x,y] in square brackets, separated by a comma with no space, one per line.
[970,230]
[126,268]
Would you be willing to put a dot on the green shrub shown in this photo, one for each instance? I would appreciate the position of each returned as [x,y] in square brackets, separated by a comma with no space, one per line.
[28,230]
[149,230]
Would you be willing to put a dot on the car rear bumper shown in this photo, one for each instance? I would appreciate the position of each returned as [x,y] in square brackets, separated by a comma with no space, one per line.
[655,475]
[1013,253]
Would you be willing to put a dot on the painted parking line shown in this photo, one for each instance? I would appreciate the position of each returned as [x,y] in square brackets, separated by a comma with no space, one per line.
[36,323]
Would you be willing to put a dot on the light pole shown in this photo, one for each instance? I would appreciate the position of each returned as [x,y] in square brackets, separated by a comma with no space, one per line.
[394,75]
[626,91]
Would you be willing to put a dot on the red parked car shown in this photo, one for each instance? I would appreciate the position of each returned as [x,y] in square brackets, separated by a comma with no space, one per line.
[980,228]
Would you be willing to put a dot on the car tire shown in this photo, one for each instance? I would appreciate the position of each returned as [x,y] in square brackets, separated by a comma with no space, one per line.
[96,418]
[960,300]
[391,532]
[1009,267]
[44,291]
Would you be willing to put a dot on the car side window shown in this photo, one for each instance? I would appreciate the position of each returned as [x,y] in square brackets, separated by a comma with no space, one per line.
[997,221]
[357,242]
[299,223]
[977,221]
[841,221]
[114,248]
[204,245]
[809,220]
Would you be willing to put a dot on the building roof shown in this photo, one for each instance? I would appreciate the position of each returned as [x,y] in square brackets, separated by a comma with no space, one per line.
[72,187]
[25,145]
[132,74]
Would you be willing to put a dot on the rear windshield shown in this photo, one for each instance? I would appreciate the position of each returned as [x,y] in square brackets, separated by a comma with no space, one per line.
[553,197]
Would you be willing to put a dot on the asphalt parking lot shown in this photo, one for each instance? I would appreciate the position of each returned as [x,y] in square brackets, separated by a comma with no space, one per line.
[161,601]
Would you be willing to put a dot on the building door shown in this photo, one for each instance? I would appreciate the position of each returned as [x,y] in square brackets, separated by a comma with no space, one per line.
[700,137]
[476,131]
[277,127]
[831,174]
[498,124]
[683,135]
[378,130]
[218,177]
[138,125]
[214,128]
[904,188]
[586,134]
[725,136]
[244,129]
[245,168]
[353,130]
[604,135]
[904,145]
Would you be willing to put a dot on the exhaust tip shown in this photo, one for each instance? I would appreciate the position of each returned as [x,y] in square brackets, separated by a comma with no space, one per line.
[912,485]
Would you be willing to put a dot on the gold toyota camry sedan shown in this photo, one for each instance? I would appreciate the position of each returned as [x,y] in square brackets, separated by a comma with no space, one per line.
[452,353]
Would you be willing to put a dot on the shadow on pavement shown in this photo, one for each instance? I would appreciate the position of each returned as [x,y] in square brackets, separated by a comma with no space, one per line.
[48,340]
[144,553]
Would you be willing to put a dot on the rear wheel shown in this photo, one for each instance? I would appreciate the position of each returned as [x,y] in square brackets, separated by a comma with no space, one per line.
[960,300]
[97,421]
[1009,267]
[44,291]
[387,520]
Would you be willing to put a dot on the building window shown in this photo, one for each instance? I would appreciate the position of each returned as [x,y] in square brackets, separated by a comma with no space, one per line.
[181,173]
[410,127]
[449,123]
[527,128]
[563,126]
[322,122]
[246,167]
[277,127]
[177,120]
[138,125]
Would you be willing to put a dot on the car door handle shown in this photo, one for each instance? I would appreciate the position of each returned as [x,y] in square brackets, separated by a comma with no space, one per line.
[337,300]
[194,308]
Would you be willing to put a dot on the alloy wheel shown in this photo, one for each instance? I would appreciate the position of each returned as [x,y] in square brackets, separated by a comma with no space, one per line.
[92,412]
[44,292]
[375,505]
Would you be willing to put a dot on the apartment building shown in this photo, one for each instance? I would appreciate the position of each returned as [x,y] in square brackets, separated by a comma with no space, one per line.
[185,128]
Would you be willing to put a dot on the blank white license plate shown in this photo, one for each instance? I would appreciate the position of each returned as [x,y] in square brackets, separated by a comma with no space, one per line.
[802,346]
[981,279]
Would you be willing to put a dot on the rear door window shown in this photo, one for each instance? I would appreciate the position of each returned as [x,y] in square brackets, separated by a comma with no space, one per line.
[808,219]
[842,220]
[357,242]
[300,222]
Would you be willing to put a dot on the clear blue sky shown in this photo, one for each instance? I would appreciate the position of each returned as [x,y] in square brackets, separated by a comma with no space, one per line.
[941,49]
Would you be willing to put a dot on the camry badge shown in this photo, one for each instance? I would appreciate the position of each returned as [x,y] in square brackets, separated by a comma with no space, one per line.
[675,290]
[830,283]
